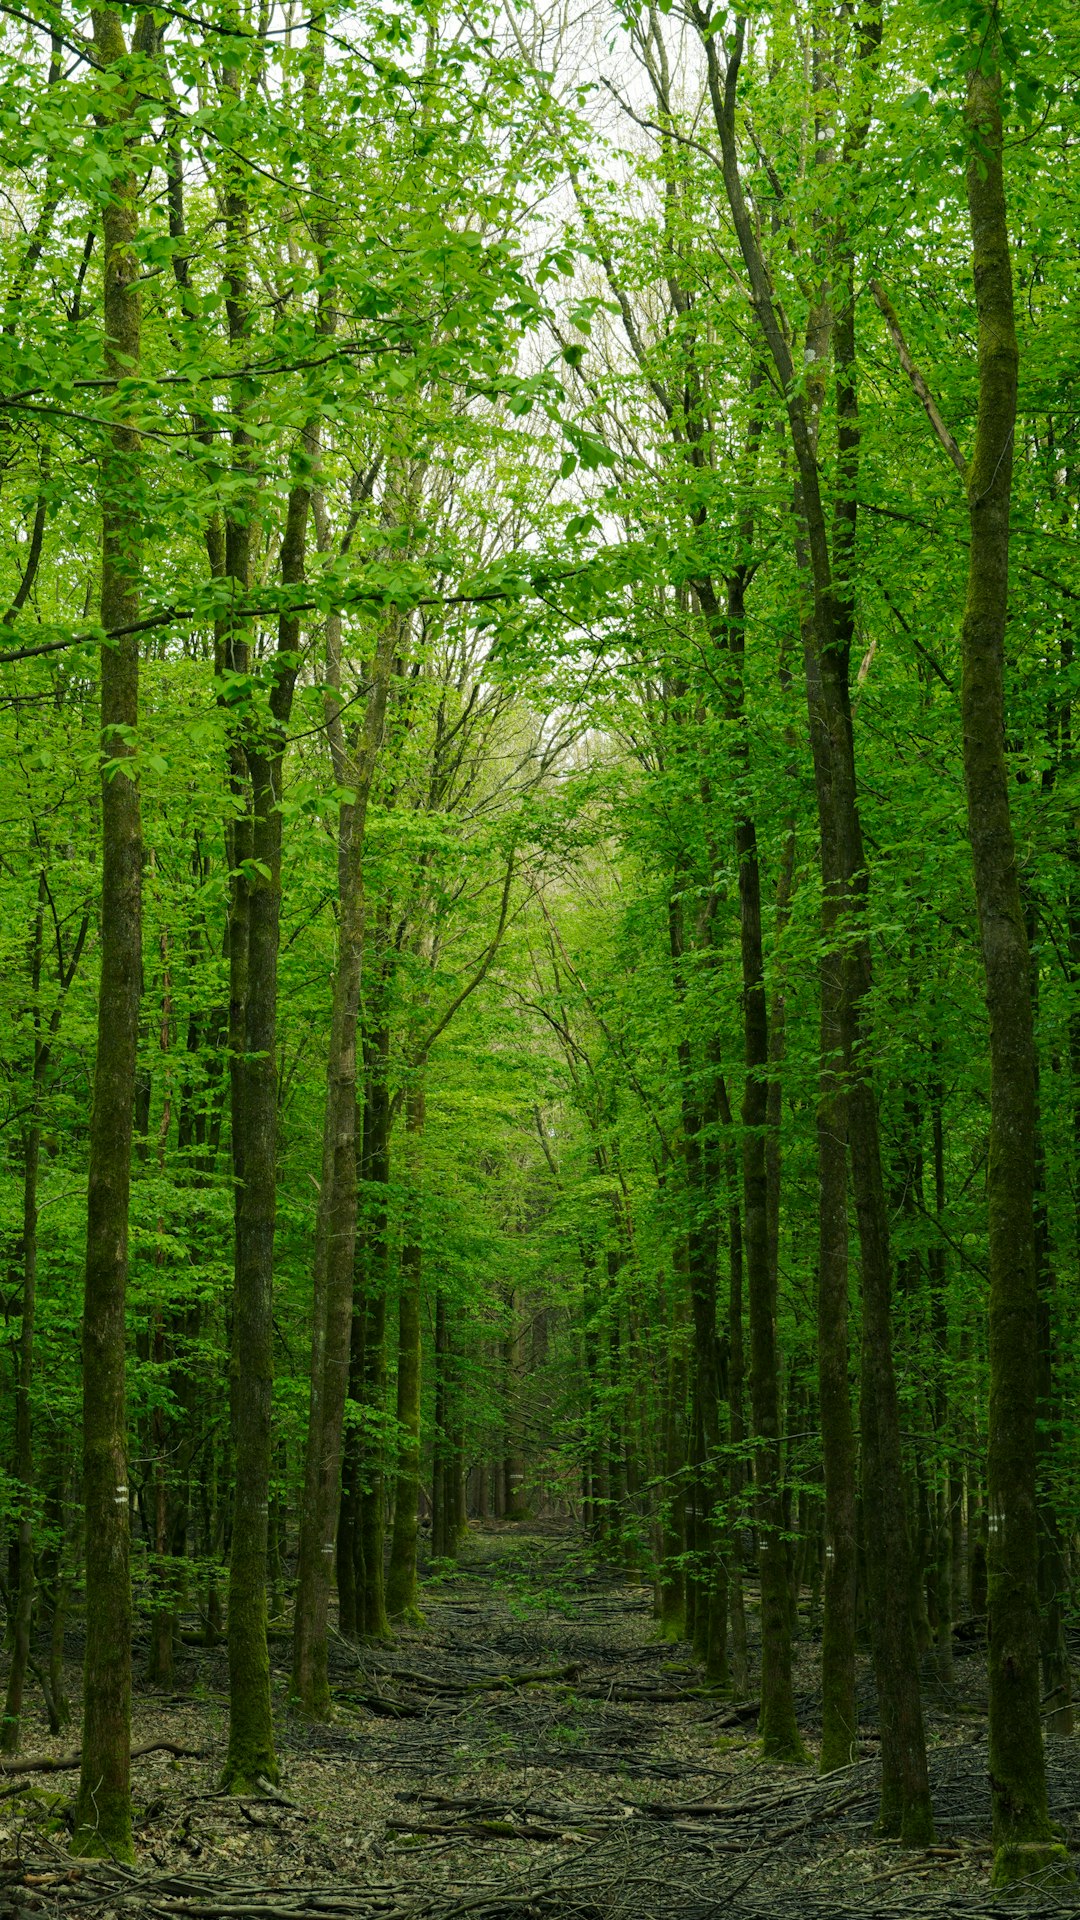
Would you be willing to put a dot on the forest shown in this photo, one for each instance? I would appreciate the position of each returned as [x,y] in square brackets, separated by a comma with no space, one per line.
[539,958]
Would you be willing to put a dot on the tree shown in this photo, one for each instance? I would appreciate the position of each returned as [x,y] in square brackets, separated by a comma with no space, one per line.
[1023,1839]
[103,1812]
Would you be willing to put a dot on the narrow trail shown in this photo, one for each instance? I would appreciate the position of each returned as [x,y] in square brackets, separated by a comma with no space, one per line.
[531,1751]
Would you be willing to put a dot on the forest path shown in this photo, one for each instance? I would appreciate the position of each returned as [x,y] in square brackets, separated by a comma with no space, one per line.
[530,1751]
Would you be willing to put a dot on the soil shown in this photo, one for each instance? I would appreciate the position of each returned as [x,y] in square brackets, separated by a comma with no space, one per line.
[532,1750]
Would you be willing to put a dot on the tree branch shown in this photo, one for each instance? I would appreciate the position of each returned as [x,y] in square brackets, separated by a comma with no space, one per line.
[918,384]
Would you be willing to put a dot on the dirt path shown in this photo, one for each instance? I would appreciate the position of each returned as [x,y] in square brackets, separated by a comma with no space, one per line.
[531,1751]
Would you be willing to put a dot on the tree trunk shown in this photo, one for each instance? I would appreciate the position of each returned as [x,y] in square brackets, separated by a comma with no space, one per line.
[335,1240]
[24,1448]
[401,1587]
[1053,1577]
[1023,1838]
[828,626]
[671,1595]
[737,1470]
[777,1725]
[103,1808]
[371,1602]
[515,1502]
[350,1545]
[443,1505]
[251,1753]
[594,1498]
[57,1570]
[948,1594]
[706,1587]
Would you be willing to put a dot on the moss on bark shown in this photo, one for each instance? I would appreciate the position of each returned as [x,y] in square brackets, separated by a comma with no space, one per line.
[1023,1837]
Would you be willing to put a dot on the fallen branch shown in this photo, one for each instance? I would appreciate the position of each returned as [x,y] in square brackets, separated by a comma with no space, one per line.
[479,1829]
[485,1682]
[68,1762]
[378,1703]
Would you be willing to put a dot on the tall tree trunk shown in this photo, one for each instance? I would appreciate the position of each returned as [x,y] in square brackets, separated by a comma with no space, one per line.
[336,1233]
[616,1434]
[1053,1574]
[670,1583]
[371,1602]
[57,1569]
[251,1753]
[827,629]
[103,1808]
[1023,1839]
[777,1725]
[515,1499]
[697,1262]
[349,1562]
[401,1588]
[441,1449]
[948,1597]
[709,1593]
[448,1517]
[594,1485]
[24,1447]
[737,1473]
[839,1719]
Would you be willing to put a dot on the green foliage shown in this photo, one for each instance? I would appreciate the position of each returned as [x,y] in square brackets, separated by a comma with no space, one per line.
[543,426]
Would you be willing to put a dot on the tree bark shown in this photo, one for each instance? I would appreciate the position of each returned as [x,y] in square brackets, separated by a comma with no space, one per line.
[103,1807]
[1023,1839]
[777,1725]
[44,1037]
[708,1591]
[336,1232]
[401,1588]
[515,1499]
[24,1447]
[251,1752]
[827,629]
[371,1601]
[441,1450]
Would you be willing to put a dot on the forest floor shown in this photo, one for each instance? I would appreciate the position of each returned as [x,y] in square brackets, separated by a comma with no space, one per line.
[532,1751]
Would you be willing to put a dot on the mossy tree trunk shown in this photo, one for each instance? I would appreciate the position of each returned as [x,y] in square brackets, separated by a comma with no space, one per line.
[371,1598]
[670,1586]
[44,1035]
[103,1807]
[1053,1569]
[737,1475]
[1022,1832]
[594,1504]
[707,1609]
[401,1585]
[24,1379]
[349,1562]
[948,1586]
[777,1725]
[251,1754]
[443,1503]
[335,1241]
[515,1498]
[839,1719]
[827,628]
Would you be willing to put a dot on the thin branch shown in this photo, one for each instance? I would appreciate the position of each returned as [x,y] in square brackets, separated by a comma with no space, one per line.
[918,384]
[482,969]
